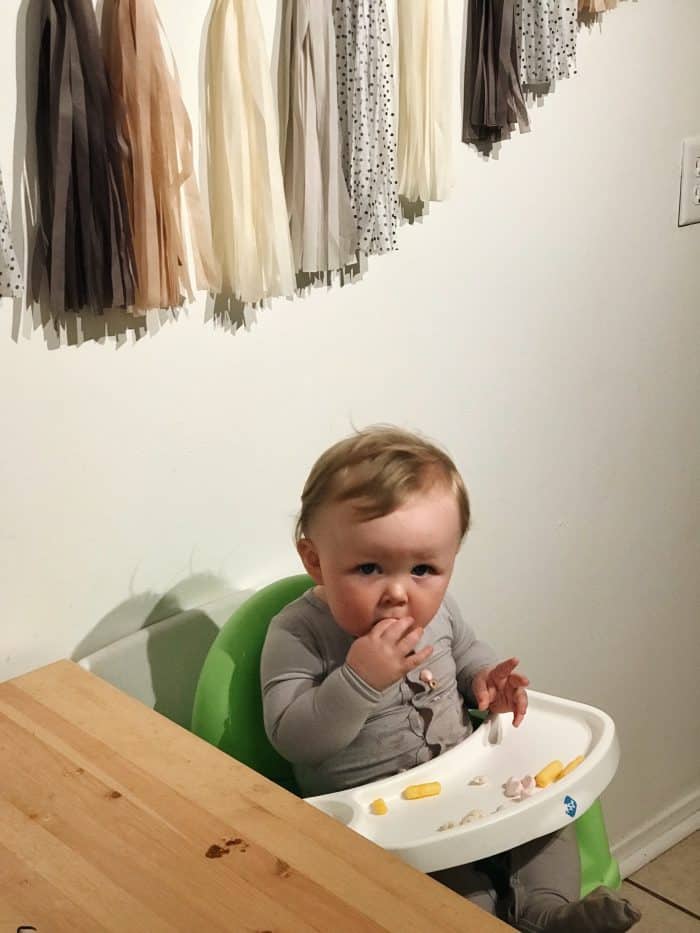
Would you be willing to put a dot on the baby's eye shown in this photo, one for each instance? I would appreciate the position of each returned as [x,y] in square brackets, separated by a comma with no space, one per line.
[367,569]
[422,570]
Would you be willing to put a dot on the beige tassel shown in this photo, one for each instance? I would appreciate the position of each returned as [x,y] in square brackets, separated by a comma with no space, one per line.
[167,218]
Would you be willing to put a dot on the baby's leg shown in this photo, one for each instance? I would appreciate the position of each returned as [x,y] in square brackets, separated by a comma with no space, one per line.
[545,875]
[545,886]
[471,883]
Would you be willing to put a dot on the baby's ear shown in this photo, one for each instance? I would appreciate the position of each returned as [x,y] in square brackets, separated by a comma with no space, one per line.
[310,559]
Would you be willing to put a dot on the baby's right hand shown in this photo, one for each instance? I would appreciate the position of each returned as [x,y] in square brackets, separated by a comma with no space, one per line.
[383,656]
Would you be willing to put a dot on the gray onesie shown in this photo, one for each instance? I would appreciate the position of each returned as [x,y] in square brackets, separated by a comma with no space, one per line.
[339,732]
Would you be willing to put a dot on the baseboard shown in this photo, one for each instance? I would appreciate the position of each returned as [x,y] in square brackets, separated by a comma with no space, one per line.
[656,836]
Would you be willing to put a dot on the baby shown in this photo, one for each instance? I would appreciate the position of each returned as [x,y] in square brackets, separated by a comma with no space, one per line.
[383,515]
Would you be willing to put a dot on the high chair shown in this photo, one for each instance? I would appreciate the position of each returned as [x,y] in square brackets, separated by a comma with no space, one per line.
[228,714]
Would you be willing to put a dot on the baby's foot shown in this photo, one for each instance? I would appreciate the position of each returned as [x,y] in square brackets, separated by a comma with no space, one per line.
[599,910]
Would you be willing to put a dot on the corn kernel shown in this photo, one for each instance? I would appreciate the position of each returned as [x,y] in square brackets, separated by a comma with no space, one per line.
[549,774]
[572,765]
[379,807]
[417,791]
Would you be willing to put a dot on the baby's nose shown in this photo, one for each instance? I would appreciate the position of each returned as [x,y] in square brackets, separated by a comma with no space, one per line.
[395,593]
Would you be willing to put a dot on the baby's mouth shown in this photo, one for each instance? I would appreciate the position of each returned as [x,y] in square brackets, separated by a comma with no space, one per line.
[398,618]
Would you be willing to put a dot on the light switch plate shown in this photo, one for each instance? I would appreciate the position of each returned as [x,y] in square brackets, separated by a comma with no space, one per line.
[689,208]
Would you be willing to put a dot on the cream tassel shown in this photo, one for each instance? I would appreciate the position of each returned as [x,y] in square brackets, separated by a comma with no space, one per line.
[427,126]
[246,194]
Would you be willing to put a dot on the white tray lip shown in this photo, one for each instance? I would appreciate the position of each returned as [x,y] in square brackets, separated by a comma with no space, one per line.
[606,747]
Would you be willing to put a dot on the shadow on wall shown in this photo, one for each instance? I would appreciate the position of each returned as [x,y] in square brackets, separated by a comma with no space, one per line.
[153,648]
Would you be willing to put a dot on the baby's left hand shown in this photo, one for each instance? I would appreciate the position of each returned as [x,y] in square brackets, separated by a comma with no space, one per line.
[499,690]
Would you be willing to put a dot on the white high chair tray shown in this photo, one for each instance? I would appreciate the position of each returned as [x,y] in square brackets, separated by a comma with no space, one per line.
[553,728]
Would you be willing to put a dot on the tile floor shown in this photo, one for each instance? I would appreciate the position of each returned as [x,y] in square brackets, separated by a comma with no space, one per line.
[667,890]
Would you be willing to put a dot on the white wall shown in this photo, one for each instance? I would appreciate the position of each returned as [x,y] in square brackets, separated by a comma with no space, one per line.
[543,324]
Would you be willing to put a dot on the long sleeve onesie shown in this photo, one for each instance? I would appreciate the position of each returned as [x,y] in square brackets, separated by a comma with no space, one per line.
[337,730]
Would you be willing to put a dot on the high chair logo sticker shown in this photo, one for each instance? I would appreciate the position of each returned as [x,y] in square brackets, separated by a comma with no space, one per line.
[570,806]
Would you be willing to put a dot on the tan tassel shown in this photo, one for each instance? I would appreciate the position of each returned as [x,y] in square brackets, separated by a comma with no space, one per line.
[169,225]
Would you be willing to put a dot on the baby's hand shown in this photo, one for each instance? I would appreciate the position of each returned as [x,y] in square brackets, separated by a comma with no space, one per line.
[500,690]
[383,656]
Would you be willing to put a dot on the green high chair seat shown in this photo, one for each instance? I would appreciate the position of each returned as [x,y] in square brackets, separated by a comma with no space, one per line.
[228,713]
[227,709]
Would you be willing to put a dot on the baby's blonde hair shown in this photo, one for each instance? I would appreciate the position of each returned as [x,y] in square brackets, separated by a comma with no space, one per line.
[381,467]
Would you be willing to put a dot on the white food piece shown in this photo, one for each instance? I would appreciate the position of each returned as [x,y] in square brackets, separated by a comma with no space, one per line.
[513,787]
[472,816]
[495,730]
[478,781]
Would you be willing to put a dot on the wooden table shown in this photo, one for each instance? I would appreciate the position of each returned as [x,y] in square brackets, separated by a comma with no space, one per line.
[114,818]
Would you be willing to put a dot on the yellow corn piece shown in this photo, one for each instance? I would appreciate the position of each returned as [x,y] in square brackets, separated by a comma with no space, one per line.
[549,774]
[572,765]
[416,791]
[379,807]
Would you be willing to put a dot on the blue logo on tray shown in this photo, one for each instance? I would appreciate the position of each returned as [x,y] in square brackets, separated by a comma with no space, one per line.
[570,806]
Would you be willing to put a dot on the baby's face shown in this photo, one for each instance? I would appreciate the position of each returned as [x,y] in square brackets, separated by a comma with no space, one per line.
[397,566]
